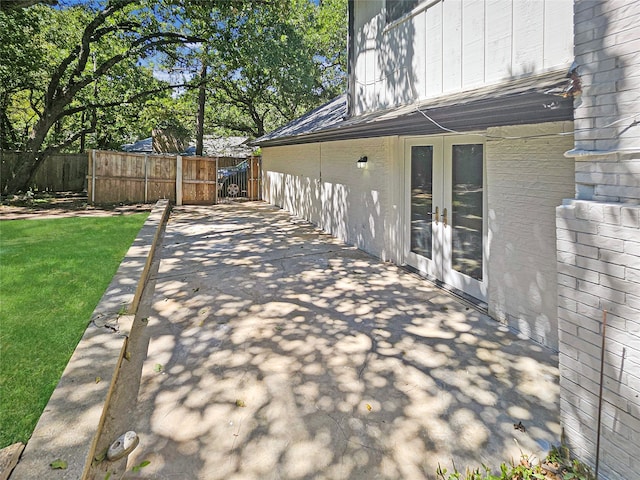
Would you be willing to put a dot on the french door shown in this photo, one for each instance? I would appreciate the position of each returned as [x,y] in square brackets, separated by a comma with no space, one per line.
[445,211]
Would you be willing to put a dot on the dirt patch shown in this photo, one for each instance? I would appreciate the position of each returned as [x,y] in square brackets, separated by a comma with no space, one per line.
[65,204]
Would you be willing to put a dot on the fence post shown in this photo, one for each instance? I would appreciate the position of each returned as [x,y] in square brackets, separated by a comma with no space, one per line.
[254,177]
[93,176]
[215,202]
[146,178]
[179,180]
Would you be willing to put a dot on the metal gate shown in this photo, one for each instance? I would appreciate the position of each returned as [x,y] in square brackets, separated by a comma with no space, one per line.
[239,178]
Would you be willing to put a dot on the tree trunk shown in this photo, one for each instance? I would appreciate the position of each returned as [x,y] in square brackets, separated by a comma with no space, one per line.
[33,158]
[202,96]
[24,172]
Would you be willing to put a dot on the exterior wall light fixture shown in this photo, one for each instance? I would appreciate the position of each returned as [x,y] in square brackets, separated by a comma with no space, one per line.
[362,162]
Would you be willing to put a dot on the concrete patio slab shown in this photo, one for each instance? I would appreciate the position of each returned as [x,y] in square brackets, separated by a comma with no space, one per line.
[277,352]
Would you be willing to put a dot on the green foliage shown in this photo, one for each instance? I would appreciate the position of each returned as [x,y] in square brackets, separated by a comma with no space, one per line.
[140,466]
[267,64]
[58,465]
[557,466]
[53,274]
[84,74]
[22,70]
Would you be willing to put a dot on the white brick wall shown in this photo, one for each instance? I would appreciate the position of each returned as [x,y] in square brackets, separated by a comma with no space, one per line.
[599,243]
[321,183]
[609,178]
[607,114]
[527,179]
[291,179]
[600,271]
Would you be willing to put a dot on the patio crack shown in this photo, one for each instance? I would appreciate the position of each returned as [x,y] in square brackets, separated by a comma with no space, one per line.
[348,441]
[372,351]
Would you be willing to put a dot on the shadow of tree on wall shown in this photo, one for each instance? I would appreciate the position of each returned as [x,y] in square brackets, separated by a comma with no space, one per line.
[279,352]
[605,121]
[385,75]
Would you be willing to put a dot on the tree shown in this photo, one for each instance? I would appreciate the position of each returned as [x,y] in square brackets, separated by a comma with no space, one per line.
[21,69]
[83,73]
[110,40]
[272,66]
[268,62]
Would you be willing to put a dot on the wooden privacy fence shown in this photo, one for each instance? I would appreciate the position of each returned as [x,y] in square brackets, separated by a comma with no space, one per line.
[137,177]
[60,172]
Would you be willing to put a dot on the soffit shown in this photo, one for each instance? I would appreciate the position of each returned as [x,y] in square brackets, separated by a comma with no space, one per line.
[536,99]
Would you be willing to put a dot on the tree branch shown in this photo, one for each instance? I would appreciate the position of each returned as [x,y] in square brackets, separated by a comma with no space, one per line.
[68,141]
[6,5]
[128,101]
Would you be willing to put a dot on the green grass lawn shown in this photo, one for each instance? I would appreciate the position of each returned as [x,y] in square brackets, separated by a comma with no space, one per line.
[53,272]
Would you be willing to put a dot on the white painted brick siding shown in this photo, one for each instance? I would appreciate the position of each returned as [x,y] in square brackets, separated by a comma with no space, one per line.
[526,180]
[321,183]
[607,114]
[599,242]
[587,285]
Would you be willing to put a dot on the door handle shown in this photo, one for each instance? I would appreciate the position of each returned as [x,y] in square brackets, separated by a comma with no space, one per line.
[444,216]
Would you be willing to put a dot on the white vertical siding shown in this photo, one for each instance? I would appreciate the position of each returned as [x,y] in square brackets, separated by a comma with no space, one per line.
[419,64]
[451,46]
[434,50]
[473,43]
[455,45]
[556,32]
[498,39]
[528,36]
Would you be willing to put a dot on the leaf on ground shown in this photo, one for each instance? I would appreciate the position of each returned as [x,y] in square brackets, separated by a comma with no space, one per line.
[98,379]
[369,407]
[240,403]
[158,367]
[520,426]
[141,465]
[59,464]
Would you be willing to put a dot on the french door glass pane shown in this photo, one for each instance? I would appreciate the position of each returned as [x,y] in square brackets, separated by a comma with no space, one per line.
[466,218]
[421,200]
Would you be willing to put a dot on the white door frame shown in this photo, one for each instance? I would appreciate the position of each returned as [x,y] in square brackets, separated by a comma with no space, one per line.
[440,266]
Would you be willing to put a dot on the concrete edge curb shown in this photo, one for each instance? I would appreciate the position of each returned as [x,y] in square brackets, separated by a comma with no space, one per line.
[74,416]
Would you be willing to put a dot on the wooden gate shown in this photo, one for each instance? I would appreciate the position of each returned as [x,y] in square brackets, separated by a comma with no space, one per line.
[199,180]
